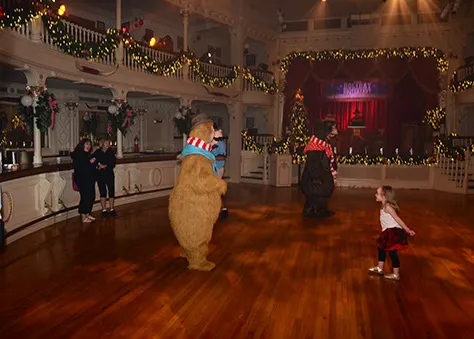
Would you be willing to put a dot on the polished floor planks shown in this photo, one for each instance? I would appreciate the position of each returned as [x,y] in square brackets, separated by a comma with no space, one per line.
[278,275]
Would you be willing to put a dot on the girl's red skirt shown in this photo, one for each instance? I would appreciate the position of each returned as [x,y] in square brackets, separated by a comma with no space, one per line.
[393,239]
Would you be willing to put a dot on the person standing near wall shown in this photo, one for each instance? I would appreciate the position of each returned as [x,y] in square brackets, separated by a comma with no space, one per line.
[220,152]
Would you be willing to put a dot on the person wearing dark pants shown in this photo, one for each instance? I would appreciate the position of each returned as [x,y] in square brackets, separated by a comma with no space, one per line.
[106,177]
[317,182]
[84,166]
[220,152]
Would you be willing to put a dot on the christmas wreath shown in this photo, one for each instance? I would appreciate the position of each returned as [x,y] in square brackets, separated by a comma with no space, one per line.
[45,111]
[122,119]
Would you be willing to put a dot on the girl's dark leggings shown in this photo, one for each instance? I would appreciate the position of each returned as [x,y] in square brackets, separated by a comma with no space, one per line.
[393,256]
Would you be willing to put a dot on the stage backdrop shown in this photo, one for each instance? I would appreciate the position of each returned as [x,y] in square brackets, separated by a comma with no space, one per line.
[399,91]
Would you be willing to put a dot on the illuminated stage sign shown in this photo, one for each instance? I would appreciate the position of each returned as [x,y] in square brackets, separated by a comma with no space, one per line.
[357,90]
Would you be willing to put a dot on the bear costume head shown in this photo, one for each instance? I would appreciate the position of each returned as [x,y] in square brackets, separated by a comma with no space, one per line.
[325,130]
[202,128]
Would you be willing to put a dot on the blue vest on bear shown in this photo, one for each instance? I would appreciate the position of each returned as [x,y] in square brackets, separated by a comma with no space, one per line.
[190,149]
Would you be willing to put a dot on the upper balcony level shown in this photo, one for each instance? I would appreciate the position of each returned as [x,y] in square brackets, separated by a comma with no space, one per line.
[59,48]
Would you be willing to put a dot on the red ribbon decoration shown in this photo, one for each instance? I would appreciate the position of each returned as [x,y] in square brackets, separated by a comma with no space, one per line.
[53,104]
[127,121]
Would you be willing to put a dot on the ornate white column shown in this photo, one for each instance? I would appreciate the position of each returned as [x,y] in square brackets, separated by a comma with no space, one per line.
[185,14]
[237,38]
[236,114]
[447,97]
[120,97]
[277,115]
[34,92]
[118,25]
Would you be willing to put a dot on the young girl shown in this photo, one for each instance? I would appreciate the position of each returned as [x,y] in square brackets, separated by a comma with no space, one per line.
[394,232]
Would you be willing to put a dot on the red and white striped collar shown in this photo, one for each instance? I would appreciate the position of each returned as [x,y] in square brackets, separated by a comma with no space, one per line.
[200,143]
[316,140]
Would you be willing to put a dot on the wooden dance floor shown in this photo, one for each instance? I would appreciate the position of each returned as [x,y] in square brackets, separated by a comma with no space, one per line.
[277,276]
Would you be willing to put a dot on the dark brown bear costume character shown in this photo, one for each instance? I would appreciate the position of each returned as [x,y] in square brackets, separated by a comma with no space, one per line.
[317,182]
[195,202]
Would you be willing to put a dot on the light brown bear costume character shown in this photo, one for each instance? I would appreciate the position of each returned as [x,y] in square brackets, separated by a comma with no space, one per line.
[195,202]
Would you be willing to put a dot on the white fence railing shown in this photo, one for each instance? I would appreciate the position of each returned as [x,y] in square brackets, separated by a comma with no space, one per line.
[259,139]
[265,76]
[87,35]
[457,171]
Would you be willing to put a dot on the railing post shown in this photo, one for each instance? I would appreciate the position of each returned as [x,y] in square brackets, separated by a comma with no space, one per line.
[265,164]
[36,29]
[467,161]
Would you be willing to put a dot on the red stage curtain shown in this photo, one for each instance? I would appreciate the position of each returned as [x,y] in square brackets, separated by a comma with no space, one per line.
[415,88]
[375,112]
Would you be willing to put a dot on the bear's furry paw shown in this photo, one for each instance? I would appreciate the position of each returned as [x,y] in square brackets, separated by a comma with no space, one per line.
[205,266]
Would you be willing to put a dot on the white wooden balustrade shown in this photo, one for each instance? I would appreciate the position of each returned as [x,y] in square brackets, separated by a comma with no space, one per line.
[457,171]
[265,76]
[260,139]
[86,35]
[81,34]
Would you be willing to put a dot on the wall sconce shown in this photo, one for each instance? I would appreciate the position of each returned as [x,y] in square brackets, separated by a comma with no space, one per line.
[246,48]
[141,111]
[71,106]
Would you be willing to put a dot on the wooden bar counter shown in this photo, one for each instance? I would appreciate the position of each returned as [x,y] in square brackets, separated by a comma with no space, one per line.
[36,197]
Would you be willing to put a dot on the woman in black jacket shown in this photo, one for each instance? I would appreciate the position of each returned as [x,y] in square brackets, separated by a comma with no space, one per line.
[317,182]
[106,177]
[84,166]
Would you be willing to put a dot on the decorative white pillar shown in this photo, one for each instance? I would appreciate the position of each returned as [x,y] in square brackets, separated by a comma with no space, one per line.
[277,115]
[118,25]
[35,92]
[236,114]
[141,119]
[237,39]
[119,144]
[37,157]
[120,97]
[185,14]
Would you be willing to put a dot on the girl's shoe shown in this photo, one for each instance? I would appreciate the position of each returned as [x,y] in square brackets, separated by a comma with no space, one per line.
[376,270]
[392,276]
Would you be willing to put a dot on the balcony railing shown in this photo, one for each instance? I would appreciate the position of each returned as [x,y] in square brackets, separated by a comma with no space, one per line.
[85,35]
[464,73]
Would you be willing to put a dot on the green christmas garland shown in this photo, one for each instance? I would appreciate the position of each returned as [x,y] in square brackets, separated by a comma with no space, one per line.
[19,16]
[434,117]
[340,54]
[69,45]
[219,82]
[461,85]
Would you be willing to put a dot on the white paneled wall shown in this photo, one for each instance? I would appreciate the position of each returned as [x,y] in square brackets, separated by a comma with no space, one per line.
[465,121]
[261,119]
[159,136]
